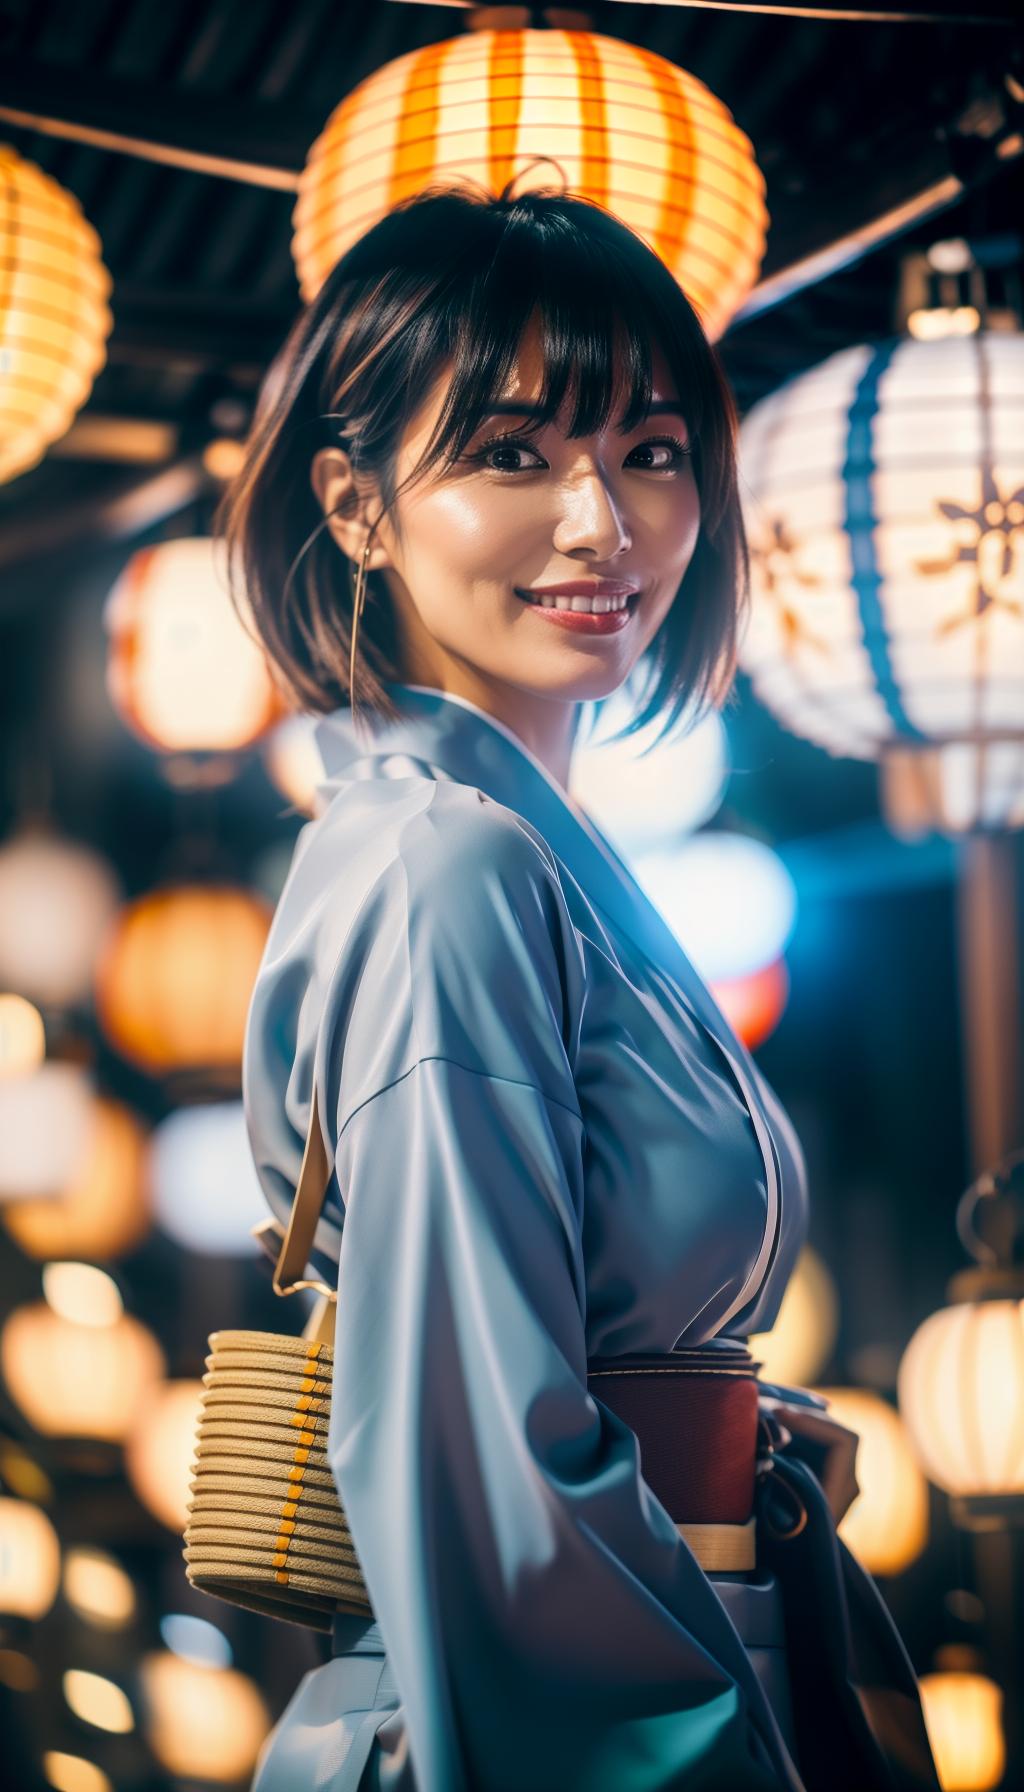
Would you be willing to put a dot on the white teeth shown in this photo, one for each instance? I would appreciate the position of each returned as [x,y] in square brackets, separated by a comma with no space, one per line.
[596,606]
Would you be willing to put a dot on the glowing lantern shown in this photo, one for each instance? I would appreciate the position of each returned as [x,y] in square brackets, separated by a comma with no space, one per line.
[643,794]
[22,1036]
[961,1381]
[728,898]
[183,672]
[884,500]
[29,1560]
[56,901]
[78,1381]
[103,1210]
[801,1340]
[293,762]
[963,1713]
[202,1722]
[72,1773]
[54,316]
[174,981]
[45,1125]
[206,1191]
[887,1525]
[98,1701]
[754,1005]
[159,1451]
[632,132]
[97,1587]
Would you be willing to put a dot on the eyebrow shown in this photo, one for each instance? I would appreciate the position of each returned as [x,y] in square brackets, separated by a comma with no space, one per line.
[510,408]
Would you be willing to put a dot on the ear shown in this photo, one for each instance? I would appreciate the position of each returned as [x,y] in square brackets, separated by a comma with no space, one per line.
[349,510]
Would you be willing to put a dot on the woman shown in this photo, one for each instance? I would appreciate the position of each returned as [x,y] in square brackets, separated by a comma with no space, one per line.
[549,1150]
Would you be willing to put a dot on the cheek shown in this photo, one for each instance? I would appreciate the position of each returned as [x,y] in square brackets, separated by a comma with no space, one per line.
[468,529]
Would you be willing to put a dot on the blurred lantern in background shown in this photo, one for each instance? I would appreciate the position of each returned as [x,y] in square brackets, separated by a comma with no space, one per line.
[78,1381]
[183,673]
[644,795]
[754,1005]
[884,503]
[72,1773]
[104,1209]
[202,1722]
[802,1339]
[29,1560]
[174,979]
[22,1036]
[98,1588]
[963,1711]
[159,1451]
[206,1192]
[887,1525]
[293,763]
[98,1701]
[961,1380]
[54,315]
[56,901]
[630,131]
[728,899]
[46,1119]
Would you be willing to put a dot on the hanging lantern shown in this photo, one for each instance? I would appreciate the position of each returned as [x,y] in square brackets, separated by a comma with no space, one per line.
[56,900]
[183,673]
[728,899]
[293,763]
[159,1451]
[54,316]
[884,502]
[45,1128]
[22,1036]
[202,1722]
[78,1381]
[754,1005]
[886,1527]
[963,1713]
[207,1195]
[800,1342]
[103,1210]
[29,1560]
[632,132]
[644,795]
[961,1380]
[174,980]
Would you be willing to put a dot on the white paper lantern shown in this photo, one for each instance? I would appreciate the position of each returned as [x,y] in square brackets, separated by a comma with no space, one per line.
[206,1191]
[56,902]
[46,1123]
[728,899]
[887,1525]
[641,795]
[884,502]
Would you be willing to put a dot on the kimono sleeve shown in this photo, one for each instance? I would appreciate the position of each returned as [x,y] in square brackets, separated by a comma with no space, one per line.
[545,1624]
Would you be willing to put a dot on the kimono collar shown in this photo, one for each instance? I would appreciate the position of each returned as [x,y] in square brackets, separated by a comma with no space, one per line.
[471,746]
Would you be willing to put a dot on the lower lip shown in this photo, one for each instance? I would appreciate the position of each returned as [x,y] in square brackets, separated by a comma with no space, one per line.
[585,622]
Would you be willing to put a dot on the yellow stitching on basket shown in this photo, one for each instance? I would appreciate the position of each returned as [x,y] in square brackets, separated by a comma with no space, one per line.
[301,1456]
[281,1579]
[289,1509]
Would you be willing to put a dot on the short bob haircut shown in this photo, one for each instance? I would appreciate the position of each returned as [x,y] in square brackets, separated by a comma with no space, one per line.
[450,279]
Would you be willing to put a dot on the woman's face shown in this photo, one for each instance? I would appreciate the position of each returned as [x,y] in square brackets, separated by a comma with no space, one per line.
[512,516]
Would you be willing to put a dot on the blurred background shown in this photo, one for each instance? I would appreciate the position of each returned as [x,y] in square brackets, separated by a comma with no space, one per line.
[839,191]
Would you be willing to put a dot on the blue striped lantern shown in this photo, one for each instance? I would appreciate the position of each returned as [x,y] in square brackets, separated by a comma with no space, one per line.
[883,496]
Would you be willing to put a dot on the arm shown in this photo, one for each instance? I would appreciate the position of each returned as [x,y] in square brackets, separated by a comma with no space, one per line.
[546,1625]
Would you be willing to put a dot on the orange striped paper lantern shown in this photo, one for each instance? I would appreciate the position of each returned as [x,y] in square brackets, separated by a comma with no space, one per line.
[631,131]
[54,315]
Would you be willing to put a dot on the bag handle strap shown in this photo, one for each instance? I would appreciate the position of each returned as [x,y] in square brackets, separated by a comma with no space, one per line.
[307,1206]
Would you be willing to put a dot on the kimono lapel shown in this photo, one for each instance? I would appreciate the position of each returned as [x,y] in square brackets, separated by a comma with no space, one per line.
[474,748]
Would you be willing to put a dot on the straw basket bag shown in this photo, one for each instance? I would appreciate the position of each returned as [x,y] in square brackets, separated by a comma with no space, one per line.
[266,1529]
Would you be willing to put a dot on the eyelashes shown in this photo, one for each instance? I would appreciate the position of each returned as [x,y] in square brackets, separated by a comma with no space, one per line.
[681,452]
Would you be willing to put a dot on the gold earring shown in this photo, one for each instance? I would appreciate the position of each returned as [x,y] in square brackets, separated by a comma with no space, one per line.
[358,600]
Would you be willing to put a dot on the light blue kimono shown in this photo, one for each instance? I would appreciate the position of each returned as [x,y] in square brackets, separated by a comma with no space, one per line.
[548,1146]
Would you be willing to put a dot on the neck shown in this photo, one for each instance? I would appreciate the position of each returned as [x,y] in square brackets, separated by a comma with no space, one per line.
[545,725]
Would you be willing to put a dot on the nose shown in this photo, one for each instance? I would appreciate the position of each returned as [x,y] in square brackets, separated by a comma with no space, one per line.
[591,526]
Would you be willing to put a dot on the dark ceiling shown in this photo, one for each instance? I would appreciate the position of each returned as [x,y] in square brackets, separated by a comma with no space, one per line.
[848,118]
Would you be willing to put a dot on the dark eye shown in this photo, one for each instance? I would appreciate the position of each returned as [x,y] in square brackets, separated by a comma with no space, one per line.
[676,450]
[509,446]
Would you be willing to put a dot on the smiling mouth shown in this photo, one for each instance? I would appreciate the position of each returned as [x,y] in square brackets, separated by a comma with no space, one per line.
[585,606]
